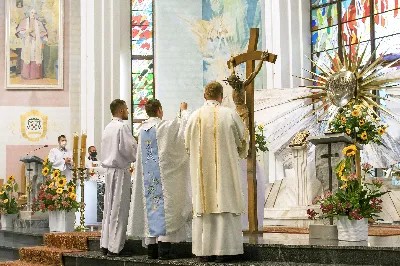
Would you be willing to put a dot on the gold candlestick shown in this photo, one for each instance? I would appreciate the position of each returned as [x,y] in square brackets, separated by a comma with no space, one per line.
[75,152]
[83,150]
[82,173]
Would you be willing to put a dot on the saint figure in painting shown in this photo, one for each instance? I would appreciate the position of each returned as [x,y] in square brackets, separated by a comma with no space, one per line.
[33,35]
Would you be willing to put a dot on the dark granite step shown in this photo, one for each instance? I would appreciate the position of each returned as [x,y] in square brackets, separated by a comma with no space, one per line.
[319,254]
[95,258]
[12,240]
[8,251]
[24,236]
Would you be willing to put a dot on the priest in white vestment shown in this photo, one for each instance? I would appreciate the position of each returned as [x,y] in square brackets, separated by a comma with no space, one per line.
[216,138]
[160,203]
[61,158]
[118,149]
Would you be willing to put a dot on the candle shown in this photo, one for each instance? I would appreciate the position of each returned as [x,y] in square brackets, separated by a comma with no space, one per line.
[83,150]
[75,151]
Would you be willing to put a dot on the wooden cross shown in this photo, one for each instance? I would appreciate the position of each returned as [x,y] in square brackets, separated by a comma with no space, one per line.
[249,58]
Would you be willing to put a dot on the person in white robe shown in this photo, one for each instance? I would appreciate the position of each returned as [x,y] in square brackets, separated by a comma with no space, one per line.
[118,149]
[61,158]
[92,161]
[160,203]
[216,138]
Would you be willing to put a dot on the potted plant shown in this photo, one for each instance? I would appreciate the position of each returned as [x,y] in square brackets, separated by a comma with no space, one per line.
[57,196]
[353,203]
[8,203]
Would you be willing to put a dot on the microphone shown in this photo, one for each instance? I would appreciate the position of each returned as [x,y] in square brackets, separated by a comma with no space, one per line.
[45,146]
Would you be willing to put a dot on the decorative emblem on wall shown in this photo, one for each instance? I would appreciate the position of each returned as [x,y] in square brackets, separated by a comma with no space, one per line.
[33,125]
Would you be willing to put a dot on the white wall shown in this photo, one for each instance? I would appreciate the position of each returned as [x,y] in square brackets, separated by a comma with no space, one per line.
[105,68]
[178,62]
[287,32]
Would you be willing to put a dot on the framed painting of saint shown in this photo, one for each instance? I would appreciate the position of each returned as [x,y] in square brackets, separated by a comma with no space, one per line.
[34,44]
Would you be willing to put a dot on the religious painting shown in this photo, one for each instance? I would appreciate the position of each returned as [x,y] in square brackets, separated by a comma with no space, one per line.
[34,44]
[223,32]
[33,125]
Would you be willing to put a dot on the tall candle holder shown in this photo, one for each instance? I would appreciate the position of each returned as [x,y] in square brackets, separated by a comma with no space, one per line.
[81,173]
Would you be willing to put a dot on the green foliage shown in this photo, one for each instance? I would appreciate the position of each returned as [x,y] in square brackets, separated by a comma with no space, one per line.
[261,142]
[356,198]
[8,197]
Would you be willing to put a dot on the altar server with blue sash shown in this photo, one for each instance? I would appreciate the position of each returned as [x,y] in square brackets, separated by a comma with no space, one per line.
[160,203]
[118,151]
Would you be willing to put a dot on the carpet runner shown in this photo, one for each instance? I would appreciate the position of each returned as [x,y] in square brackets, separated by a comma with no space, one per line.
[56,244]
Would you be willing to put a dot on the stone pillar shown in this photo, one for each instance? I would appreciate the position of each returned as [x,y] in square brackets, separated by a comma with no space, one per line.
[300,167]
[328,153]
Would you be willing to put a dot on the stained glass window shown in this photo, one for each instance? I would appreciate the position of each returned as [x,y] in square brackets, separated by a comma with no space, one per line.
[325,39]
[356,31]
[349,22]
[320,2]
[324,17]
[355,9]
[142,83]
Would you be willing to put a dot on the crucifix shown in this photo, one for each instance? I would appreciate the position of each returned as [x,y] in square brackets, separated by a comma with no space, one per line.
[243,96]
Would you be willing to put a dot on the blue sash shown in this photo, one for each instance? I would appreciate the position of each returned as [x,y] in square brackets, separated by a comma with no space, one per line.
[153,191]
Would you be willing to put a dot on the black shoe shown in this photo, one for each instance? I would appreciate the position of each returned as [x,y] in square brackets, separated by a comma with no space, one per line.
[104,251]
[207,258]
[152,251]
[220,259]
[164,251]
[204,259]
[120,254]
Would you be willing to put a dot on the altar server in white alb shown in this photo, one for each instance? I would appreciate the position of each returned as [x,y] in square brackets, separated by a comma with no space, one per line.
[216,138]
[61,158]
[118,151]
[160,203]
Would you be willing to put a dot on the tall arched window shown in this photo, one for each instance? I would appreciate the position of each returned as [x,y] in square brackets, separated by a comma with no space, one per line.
[142,59]
[349,22]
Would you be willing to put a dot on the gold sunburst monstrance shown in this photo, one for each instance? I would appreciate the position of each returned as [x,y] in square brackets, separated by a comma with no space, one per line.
[349,79]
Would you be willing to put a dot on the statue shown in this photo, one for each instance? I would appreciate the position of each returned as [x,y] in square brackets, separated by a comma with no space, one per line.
[239,87]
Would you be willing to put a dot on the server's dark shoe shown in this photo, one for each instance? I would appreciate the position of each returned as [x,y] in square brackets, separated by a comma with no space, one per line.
[120,254]
[152,251]
[164,251]
[104,251]
[221,259]
[207,258]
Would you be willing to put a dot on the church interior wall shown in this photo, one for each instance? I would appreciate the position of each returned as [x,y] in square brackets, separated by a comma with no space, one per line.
[178,61]
[55,104]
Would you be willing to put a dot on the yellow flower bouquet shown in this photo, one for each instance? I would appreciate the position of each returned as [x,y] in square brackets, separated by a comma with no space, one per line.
[8,197]
[56,193]
[359,122]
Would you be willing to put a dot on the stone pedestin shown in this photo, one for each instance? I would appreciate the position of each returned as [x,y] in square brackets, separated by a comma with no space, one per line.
[328,153]
[321,231]
[293,216]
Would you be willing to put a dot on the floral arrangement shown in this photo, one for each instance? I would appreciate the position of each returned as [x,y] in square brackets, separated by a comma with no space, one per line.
[359,123]
[8,199]
[56,193]
[355,198]
[261,142]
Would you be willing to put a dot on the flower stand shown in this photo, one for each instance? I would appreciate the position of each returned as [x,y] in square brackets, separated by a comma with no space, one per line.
[61,221]
[352,230]
[7,220]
